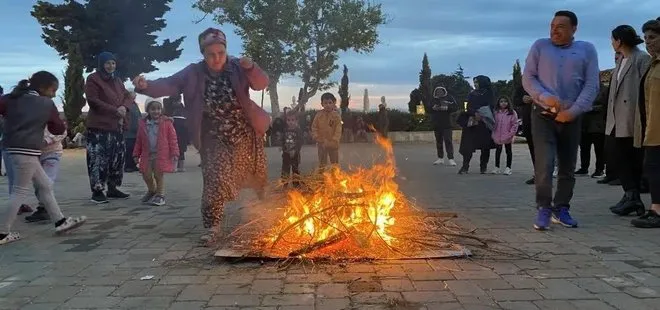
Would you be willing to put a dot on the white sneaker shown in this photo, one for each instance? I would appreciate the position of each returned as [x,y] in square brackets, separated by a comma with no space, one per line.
[452,163]
[70,223]
[10,237]
[440,161]
[507,171]
[496,171]
[554,173]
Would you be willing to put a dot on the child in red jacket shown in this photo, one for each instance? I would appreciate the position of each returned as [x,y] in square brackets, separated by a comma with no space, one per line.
[156,151]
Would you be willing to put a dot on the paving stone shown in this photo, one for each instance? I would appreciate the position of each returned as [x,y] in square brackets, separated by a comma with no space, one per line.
[590,305]
[465,288]
[197,292]
[522,281]
[555,304]
[58,294]
[551,274]
[187,305]
[332,303]
[28,291]
[166,290]
[397,285]
[375,297]
[145,303]
[624,301]
[332,290]
[308,278]
[514,295]
[235,300]
[594,285]
[562,289]
[169,280]
[428,297]
[475,275]
[643,292]
[288,300]
[264,287]
[92,302]
[477,302]
[431,276]
[133,288]
[299,288]
[431,285]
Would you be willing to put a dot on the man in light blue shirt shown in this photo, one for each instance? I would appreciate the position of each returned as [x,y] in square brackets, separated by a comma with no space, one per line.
[562,76]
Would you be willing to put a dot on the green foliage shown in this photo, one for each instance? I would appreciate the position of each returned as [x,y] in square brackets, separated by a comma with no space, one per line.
[74,83]
[399,121]
[425,88]
[343,91]
[415,99]
[503,88]
[124,27]
[518,91]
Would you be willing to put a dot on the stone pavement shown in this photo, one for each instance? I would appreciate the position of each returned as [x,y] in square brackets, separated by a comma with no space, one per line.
[135,257]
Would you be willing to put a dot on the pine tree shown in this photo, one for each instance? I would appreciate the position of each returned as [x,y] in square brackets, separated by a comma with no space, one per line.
[73,88]
[518,90]
[124,27]
[343,91]
[425,82]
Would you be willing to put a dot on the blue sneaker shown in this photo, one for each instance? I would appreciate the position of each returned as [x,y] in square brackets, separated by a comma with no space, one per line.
[564,218]
[543,219]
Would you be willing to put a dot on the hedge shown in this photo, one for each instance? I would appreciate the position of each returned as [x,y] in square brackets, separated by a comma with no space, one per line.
[399,121]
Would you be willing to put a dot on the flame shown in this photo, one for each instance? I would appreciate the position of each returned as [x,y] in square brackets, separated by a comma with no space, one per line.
[358,203]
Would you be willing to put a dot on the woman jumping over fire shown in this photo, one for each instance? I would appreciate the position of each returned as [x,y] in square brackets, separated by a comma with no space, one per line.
[225,125]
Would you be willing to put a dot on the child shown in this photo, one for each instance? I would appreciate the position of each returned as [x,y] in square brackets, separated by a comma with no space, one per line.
[50,157]
[326,130]
[28,109]
[506,127]
[156,151]
[291,144]
[361,130]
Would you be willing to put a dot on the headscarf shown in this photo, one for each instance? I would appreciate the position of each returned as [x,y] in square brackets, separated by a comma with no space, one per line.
[103,58]
[484,82]
[211,36]
[439,89]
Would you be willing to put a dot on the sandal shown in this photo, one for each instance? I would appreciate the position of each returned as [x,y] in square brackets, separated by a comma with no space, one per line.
[210,237]
[10,237]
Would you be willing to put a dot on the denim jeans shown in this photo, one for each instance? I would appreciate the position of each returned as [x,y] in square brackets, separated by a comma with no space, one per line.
[560,142]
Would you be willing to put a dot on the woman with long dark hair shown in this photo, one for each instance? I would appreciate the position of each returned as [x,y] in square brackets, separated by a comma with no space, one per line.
[623,116]
[478,123]
[226,126]
[29,109]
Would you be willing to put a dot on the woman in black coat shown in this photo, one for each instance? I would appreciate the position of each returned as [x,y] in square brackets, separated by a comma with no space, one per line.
[476,135]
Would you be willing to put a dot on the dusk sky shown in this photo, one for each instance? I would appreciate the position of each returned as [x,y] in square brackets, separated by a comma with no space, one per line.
[483,36]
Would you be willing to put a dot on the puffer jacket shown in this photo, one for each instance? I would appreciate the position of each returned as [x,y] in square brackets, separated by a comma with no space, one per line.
[326,128]
[506,127]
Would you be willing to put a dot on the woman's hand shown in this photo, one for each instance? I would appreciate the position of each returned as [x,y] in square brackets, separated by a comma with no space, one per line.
[246,63]
[121,111]
[139,82]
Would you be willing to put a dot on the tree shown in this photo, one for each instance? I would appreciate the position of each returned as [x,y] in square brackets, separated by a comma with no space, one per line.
[74,100]
[322,31]
[425,82]
[518,90]
[415,99]
[124,27]
[343,91]
[502,88]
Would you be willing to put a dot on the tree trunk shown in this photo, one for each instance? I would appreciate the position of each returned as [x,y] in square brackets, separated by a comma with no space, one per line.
[274,98]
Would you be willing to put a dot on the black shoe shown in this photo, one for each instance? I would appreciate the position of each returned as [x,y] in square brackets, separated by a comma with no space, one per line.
[649,220]
[581,172]
[615,182]
[631,202]
[38,216]
[99,197]
[117,194]
[644,187]
[605,180]
[130,170]
[531,181]
[463,170]
[598,174]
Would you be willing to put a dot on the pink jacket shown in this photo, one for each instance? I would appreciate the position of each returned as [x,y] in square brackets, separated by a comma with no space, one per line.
[167,147]
[506,127]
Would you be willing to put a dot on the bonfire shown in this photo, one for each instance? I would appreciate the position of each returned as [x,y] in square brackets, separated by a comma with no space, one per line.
[351,214]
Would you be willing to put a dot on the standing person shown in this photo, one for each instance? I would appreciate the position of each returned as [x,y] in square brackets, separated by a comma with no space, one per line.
[181,133]
[360,130]
[611,174]
[134,116]
[593,133]
[383,120]
[2,131]
[526,104]
[478,123]
[624,118]
[292,142]
[442,107]
[51,155]
[649,136]
[326,131]
[108,102]
[29,109]
[506,127]
[561,75]
[156,151]
[225,125]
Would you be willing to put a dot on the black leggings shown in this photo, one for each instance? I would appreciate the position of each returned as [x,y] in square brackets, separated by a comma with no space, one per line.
[498,154]
[652,170]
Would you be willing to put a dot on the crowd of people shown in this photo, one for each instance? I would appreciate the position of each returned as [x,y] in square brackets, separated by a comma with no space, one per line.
[564,105]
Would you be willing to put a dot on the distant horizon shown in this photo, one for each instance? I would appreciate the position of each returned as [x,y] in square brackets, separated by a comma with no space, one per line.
[487,42]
